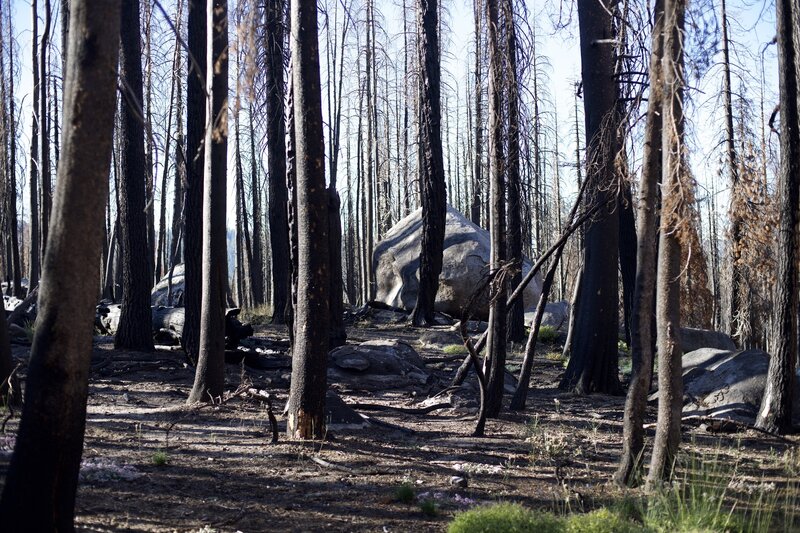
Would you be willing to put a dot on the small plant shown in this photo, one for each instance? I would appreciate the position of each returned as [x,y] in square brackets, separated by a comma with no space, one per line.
[454,349]
[556,357]
[505,518]
[259,315]
[428,507]
[547,334]
[160,458]
[404,493]
[623,347]
[30,329]
[600,521]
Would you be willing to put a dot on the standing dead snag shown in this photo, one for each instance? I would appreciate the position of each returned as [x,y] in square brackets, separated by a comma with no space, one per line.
[40,488]
[306,407]
[432,184]
[775,414]
[209,380]
[675,200]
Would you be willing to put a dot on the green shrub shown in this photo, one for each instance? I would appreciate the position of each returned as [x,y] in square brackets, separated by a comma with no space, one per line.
[454,349]
[547,334]
[428,507]
[404,493]
[160,458]
[259,315]
[505,518]
[600,521]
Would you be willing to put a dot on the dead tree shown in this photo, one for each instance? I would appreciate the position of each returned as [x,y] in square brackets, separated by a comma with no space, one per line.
[42,479]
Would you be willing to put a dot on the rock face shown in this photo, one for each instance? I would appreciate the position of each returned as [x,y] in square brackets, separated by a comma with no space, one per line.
[466,255]
[556,315]
[377,365]
[160,293]
[693,339]
[726,383]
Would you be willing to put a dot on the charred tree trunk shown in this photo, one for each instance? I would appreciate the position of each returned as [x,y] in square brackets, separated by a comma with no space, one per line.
[775,414]
[432,185]
[35,258]
[644,291]
[44,132]
[134,331]
[276,155]
[42,480]
[193,203]
[209,378]
[593,364]
[306,407]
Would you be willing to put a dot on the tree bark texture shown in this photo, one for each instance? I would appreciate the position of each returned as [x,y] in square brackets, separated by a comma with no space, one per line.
[39,492]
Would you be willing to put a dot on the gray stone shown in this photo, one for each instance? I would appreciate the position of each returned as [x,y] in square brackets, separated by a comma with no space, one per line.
[556,315]
[159,294]
[726,384]
[439,339]
[377,365]
[693,339]
[459,481]
[464,268]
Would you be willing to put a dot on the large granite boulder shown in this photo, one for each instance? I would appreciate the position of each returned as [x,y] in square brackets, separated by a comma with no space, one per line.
[693,339]
[377,365]
[726,383]
[160,294]
[466,255]
[556,315]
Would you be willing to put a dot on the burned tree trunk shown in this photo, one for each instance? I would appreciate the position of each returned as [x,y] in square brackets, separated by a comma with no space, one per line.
[42,480]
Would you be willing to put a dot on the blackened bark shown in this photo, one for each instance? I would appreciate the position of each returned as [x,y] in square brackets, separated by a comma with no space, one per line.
[257,263]
[193,203]
[593,364]
[627,256]
[44,132]
[134,332]
[39,492]
[276,160]
[642,319]
[775,414]
[432,185]
[475,206]
[306,407]
[209,378]
[35,259]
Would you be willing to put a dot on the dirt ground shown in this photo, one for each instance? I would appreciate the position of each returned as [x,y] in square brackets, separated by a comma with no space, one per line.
[151,463]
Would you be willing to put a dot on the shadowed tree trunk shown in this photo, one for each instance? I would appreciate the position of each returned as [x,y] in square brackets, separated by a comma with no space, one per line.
[35,258]
[44,132]
[209,378]
[496,340]
[593,364]
[475,206]
[644,292]
[306,407]
[432,186]
[674,218]
[193,198]
[135,330]
[775,414]
[39,491]
[12,163]
[276,160]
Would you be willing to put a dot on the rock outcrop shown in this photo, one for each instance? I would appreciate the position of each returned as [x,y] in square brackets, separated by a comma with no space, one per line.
[464,267]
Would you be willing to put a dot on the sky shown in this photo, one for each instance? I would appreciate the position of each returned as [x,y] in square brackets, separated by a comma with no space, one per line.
[752,26]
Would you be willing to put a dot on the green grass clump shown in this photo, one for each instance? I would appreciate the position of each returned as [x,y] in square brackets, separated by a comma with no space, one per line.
[428,507]
[600,521]
[454,349]
[505,518]
[160,458]
[404,493]
[257,316]
[547,334]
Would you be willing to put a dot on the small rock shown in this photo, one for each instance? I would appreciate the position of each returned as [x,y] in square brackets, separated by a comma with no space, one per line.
[459,481]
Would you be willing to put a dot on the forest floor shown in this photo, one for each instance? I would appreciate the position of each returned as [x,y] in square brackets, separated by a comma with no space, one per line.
[151,463]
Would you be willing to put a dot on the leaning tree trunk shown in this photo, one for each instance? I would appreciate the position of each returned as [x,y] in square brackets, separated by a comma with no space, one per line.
[496,340]
[209,379]
[134,331]
[644,290]
[674,221]
[42,480]
[276,160]
[775,414]
[193,198]
[306,407]
[593,364]
[434,206]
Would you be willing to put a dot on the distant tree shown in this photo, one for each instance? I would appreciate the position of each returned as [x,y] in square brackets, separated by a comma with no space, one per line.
[209,379]
[135,331]
[432,185]
[775,414]
[306,406]
[42,480]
